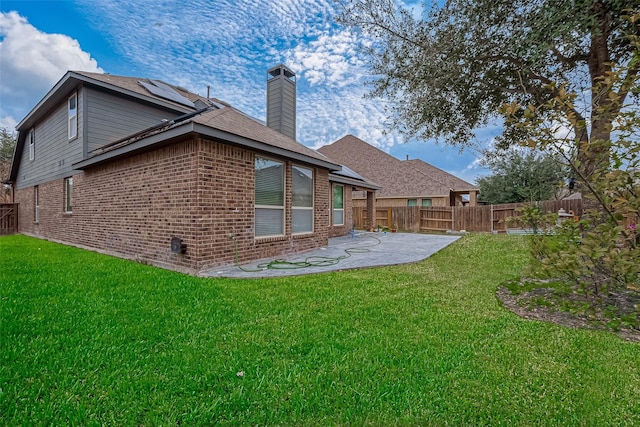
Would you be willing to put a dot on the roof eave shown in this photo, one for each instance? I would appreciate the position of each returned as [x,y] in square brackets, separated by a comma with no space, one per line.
[363,185]
[166,137]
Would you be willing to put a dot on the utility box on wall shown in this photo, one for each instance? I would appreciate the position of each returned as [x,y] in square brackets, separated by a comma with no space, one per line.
[178,246]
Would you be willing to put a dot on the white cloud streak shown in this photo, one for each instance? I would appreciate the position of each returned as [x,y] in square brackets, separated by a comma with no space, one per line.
[227,45]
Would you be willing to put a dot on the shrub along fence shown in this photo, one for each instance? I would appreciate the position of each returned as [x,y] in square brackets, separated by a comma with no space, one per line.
[8,218]
[489,218]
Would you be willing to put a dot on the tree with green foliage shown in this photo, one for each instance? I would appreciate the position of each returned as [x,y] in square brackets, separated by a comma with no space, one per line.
[519,175]
[7,145]
[449,71]
[600,253]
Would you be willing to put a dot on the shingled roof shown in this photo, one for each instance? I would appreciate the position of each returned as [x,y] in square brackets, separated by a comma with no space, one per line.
[451,181]
[235,122]
[396,178]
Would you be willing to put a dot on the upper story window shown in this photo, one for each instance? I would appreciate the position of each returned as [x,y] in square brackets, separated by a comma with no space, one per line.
[73,116]
[269,197]
[301,200]
[426,203]
[32,144]
[412,202]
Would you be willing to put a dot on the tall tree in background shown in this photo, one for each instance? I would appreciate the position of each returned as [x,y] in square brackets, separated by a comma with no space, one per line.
[7,145]
[450,71]
[520,175]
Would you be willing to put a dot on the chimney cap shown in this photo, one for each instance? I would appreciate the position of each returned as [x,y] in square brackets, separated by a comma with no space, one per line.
[281,70]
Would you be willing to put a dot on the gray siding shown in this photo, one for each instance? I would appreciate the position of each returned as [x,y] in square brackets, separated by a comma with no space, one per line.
[111,118]
[281,106]
[102,118]
[54,152]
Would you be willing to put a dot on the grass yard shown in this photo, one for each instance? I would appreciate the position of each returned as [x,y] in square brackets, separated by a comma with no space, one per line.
[87,339]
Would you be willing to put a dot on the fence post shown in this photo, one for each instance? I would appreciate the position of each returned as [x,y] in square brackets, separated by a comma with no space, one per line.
[453,218]
[491,219]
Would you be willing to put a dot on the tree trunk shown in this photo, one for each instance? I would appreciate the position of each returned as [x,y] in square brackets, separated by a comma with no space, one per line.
[593,148]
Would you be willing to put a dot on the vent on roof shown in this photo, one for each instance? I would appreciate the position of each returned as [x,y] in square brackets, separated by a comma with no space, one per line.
[165,91]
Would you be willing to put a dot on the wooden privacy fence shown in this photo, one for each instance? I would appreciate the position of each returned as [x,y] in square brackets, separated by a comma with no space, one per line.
[8,218]
[488,218]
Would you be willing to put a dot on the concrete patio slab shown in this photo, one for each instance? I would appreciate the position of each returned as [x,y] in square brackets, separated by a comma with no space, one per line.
[361,250]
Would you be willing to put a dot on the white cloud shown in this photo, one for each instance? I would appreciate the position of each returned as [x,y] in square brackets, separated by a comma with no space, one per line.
[8,123]
[230,47]
[32,62]
[227,45]
[330,59]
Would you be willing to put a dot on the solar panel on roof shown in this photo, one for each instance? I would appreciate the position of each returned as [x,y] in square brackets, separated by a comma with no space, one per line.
[165,91]
[350,173]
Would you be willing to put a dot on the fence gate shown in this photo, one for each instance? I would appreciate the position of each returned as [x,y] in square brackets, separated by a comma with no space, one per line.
[8,218]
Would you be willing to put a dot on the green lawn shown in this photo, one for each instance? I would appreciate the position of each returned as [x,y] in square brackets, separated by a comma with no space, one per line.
[87,339]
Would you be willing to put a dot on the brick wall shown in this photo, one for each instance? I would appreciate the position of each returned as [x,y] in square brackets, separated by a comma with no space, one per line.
[199,190]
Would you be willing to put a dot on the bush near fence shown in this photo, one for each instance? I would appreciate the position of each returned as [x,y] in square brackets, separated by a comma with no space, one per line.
[489,218]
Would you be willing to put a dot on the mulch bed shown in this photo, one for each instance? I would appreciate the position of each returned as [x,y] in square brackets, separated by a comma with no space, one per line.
[526,305]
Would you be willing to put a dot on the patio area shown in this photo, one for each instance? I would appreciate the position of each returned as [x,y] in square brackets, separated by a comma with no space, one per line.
[360,250]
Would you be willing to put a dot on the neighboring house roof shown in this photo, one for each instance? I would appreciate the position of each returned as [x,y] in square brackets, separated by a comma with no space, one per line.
[396,178]
[438,174]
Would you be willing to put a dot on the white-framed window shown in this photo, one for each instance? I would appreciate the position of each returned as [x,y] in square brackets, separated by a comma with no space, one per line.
[301,200]
[338,204]
[426,203]
[73,116]
[32,144]
[412,202]
[68,194]
[269,197]
[36,203]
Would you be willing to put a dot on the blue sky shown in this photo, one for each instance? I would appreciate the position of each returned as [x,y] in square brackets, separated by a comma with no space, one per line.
[225,44]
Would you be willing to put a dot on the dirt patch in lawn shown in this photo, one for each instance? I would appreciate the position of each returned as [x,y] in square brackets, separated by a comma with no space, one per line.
[618,313]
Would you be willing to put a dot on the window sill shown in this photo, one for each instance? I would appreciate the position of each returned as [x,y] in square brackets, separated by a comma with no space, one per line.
[268,239]
[304,235]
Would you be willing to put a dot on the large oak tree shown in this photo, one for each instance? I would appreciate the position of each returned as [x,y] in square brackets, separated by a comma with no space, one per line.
[451,70]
